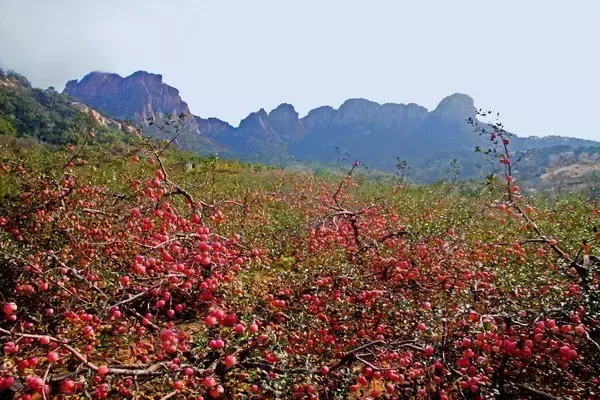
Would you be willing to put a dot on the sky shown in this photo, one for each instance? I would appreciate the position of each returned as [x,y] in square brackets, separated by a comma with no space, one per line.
[535,62]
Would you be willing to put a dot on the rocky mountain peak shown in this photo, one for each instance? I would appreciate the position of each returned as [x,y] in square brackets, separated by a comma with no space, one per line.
[144,75]
[357,104]
[319,116]
[138,96]
[286,122]
[88,86]
[212,126]
[283,108]
[457,106]
[284,114]
[256,125]
[255,118]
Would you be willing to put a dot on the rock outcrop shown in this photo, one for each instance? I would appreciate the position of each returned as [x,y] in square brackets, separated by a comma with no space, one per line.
[138,97]
[104,121]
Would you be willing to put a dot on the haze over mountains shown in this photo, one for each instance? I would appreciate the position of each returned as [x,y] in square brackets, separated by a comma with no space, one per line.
[377,134]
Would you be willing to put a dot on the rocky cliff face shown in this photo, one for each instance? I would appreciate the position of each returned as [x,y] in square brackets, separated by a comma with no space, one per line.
[366,115]
[138,97]
[103,120]
[286,122]
[456,107]
[212,127]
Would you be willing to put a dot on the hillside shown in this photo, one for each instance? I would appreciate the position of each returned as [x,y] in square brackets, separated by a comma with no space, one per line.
[49,116]
[377,134]
[129,275]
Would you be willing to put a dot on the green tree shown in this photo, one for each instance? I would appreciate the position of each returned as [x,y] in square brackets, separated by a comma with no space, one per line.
[7,128]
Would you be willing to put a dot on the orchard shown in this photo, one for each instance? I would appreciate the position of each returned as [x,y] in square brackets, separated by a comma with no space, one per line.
[126,276]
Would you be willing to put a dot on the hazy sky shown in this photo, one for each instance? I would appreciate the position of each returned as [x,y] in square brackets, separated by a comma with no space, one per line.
[535,62]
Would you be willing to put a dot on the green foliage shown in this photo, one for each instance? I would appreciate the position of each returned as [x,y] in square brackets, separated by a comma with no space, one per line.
[7,128]
[45,115]
[16,77]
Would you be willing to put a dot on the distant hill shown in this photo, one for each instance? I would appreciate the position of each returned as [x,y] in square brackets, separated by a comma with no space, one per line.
[377,134]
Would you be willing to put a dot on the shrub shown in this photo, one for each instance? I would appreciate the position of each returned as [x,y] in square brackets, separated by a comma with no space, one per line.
[124,276]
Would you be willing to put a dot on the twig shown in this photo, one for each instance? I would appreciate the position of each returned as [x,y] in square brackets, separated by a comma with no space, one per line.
[168,396]
[137,296]
[374,367]
[537,393]
[147,371]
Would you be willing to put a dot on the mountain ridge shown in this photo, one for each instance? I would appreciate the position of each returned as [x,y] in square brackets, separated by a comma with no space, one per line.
[378,134]
[467,102]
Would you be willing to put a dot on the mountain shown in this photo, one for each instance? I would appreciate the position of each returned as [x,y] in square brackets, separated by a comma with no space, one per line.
[377,134]
[143,97]
[139,96]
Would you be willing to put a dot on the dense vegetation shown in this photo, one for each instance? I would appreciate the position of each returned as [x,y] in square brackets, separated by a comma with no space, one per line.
[131,270]
[44,114]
